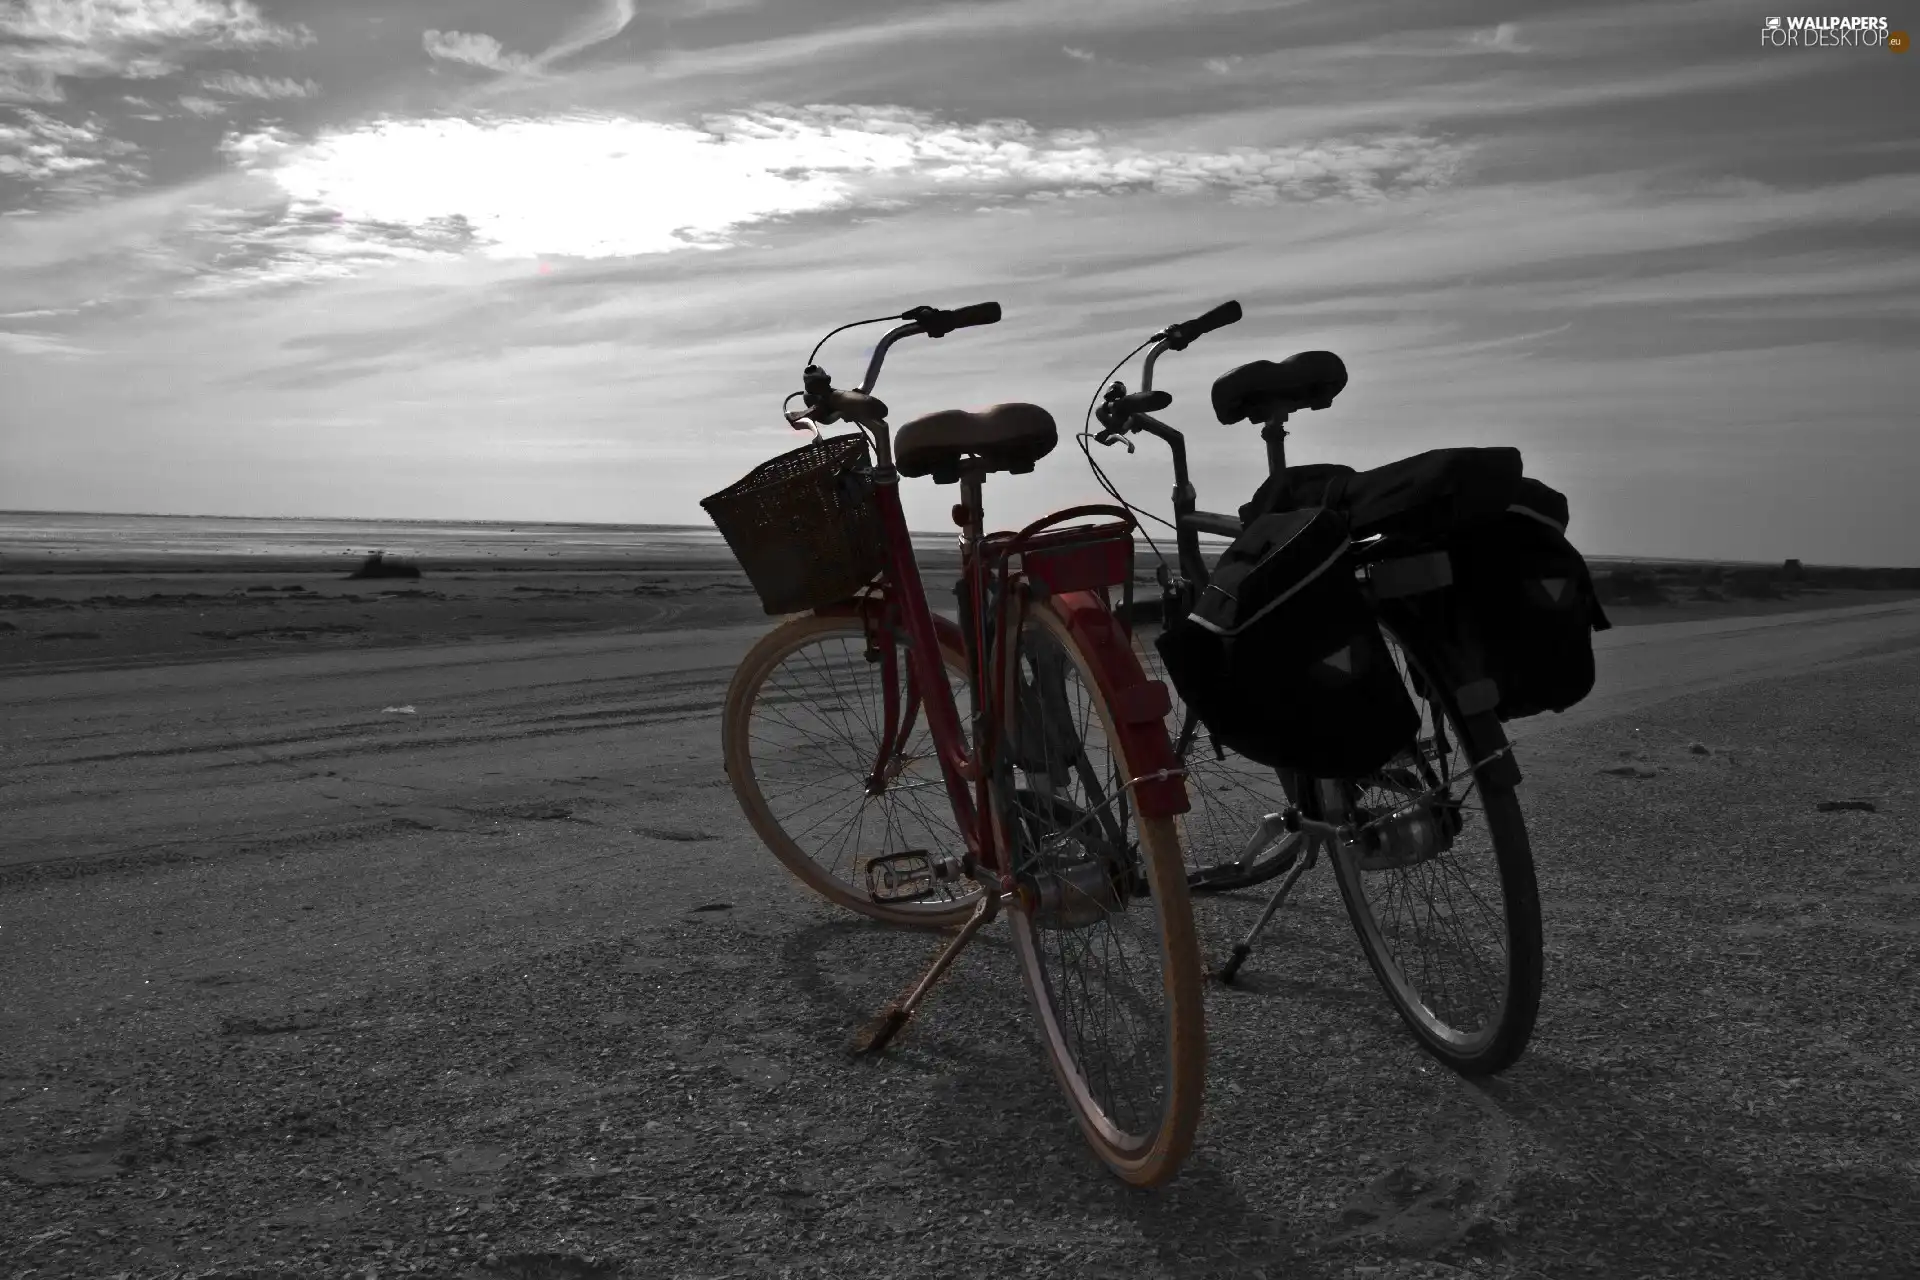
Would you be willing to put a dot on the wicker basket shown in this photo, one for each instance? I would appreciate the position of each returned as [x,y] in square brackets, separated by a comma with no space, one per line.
[804,525]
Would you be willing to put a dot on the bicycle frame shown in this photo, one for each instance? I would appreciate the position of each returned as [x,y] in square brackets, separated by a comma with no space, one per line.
[906,599]
[1189,522]
[1138,705]
[1473,694]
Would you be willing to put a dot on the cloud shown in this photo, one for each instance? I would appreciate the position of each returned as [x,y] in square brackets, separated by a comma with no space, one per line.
[1221,66]
[479,50]
[202,106]
[235,85]
[1080,55]
[1338,99]
[28,83]
[44,41]
[606,22]
[473,49]
[39,344]
[963,20]
[65,158]
[1505,38]
[612,186]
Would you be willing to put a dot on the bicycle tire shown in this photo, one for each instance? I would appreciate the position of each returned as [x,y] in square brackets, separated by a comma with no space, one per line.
[1153,1152]
[745,693]
[1500,1045]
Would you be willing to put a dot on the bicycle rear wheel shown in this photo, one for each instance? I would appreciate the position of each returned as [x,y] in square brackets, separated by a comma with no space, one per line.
[1100,918]
[1452,932]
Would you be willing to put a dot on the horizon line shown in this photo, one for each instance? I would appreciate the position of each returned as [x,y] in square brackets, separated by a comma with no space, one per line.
[602,524]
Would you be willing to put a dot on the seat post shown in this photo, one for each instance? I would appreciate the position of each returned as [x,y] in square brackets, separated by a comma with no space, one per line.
[1275,434]
[971,474]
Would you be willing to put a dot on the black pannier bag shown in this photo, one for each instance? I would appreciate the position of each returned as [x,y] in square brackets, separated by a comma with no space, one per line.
[1526,598]
[1433,493]
[1313,484]
[1281,658]
[1423,497]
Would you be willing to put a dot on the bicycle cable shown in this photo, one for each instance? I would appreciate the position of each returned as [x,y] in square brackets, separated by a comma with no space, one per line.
[1100,475]
[855,324]
[815,355]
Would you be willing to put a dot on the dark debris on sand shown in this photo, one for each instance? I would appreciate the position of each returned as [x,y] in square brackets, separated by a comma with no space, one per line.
[382,565]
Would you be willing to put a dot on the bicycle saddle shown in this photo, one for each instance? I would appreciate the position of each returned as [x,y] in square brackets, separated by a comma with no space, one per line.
[1007,437]
[1257,391]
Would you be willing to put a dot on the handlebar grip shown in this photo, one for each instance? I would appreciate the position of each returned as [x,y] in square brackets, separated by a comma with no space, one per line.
[936,323]
[1219,318]
[978,313]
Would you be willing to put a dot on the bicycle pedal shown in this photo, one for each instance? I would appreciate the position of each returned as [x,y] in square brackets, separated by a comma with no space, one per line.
[911,875]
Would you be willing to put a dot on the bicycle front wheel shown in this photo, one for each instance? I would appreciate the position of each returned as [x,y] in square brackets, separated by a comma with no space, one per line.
[1451,929]
[804,724]
[1100,918]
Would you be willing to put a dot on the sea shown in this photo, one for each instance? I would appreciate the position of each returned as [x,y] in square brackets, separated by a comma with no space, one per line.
[40,536]
[36,537]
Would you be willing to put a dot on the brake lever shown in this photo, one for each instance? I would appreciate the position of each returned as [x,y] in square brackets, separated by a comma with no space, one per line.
[1113,437]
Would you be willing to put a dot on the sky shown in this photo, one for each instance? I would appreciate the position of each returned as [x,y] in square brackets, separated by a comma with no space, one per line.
[479,259]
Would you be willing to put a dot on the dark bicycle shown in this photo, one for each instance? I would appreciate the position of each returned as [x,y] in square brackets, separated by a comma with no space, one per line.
[1430,851]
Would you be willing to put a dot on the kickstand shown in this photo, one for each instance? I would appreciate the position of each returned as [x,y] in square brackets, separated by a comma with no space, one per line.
[876,1035]
[1244,949]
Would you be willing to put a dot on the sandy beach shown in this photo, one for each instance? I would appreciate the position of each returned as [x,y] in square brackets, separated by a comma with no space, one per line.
[411,926]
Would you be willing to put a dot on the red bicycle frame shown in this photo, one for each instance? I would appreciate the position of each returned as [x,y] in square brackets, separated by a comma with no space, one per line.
[903,598]
[1072,567]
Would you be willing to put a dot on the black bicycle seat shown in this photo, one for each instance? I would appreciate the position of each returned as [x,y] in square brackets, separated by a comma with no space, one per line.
[1255,392]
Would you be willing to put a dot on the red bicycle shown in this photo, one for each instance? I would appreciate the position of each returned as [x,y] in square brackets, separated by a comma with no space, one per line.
[1054,800]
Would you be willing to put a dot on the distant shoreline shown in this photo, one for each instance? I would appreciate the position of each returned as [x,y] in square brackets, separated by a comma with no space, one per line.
[6,512]
[685,537]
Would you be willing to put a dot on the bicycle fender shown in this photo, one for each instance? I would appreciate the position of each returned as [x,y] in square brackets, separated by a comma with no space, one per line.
[1489,743]
[1140,706]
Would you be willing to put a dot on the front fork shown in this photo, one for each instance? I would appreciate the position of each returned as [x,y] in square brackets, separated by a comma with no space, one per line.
[897,722]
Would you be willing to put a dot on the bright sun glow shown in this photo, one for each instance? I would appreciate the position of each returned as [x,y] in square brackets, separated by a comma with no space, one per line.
[600,187]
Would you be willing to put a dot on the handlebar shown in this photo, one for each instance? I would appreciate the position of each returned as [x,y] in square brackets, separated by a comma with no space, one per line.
[936,323]
[1176,336]
[1119,412]
[826,404]
[1179,335]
